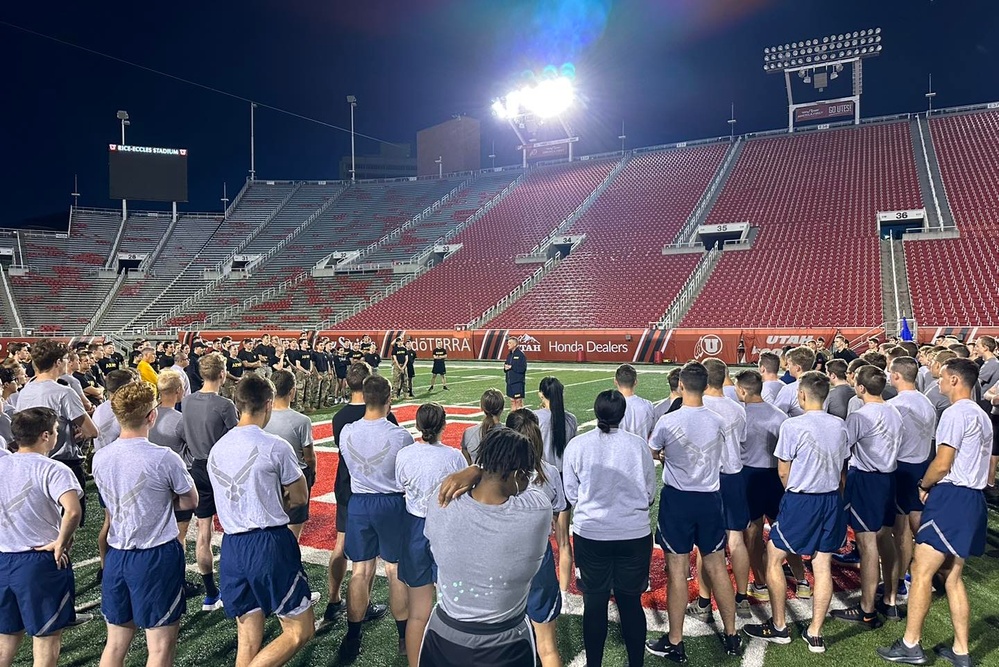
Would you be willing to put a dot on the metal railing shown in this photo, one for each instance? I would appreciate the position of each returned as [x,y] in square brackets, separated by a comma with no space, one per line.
[357,307]
[105,304]
[708,198]
[583,207]
[10,300]
[421,256]
[690,290]
[520,290]
[220,266]
[929,173]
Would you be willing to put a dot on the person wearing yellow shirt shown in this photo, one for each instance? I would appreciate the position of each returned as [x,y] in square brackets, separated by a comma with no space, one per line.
[145,367]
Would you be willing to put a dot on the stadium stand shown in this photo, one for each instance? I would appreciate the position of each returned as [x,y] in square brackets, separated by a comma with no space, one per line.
[814,199]
[484,270]
[315,300]
[643,209]
[63,289]
[363,214]
[953,280]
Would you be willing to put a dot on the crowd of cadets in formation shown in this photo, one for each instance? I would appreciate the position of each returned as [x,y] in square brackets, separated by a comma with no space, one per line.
[897,444]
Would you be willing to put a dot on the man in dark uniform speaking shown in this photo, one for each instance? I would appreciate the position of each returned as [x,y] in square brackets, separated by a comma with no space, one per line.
[516,373]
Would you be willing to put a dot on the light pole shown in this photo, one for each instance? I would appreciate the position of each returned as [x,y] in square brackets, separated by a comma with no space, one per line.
[929,98]
[440,166]
[622,137]
[492,155]
[225,202]
[731,124]
[123,117]
[352,101]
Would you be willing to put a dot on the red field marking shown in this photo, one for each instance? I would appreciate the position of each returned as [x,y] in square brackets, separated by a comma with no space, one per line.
[322,430]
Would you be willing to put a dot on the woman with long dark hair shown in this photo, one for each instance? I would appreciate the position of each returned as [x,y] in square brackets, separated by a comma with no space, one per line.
[544,603]
[558,427]
[491,404]
[610,480]
[488,544]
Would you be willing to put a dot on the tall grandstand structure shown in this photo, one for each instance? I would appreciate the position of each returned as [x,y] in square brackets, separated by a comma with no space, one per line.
[604,242]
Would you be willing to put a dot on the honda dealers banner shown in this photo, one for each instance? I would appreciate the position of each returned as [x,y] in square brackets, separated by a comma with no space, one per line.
[733,346]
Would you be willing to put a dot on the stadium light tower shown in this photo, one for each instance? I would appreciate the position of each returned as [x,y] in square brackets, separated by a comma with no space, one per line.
[545,99]
[123,117]
[818,61]
[352,101]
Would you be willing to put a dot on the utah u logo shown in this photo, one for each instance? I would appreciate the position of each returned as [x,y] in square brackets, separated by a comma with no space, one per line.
[708,346]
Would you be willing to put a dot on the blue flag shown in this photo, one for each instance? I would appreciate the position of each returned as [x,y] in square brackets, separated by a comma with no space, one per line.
[905,333]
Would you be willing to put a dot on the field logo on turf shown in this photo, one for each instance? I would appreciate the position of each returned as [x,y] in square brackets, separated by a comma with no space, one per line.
[708,346]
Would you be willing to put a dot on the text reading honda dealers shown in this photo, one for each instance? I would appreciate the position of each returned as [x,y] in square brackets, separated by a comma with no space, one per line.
[590,346]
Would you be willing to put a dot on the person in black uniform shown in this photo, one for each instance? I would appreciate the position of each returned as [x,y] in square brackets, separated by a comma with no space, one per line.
[110,361]
[440,367]
[341,359]
[370,352]
[516,373]
[192,370]
[410,364]
[266,356]
[234,371]
[400,359]
[321,364]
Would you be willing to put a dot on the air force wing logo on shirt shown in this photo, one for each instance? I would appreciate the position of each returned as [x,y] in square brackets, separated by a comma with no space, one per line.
[235,486]
[367,465]
[807,441]
[695,453]
[14,506]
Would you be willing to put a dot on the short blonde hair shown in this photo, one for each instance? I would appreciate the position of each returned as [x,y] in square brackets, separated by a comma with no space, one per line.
[211,366]
[169,382]
[132,403]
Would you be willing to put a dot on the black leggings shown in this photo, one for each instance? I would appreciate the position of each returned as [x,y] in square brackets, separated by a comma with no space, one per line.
[633,627]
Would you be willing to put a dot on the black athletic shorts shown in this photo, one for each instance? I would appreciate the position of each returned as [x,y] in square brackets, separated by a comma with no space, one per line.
[183,515]
[342,493]
[206,498]
[448,642]
[300,514]
[515,391]
[995,434]
[614,565]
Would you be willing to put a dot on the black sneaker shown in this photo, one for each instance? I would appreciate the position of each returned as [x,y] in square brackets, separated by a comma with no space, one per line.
[662,648]
[350,648]
[192,590]
[733,644]
[374,612]
[767,632]
[334,611]
[858,615]
[79,619]
[900,653]
[891,612]
[815,644]
[446,388]
[947,653]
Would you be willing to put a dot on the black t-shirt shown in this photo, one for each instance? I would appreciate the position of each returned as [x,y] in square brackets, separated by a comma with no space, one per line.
[267,352]
[340,363]
[846,355]
[85,379]
[440,354]
[234,367]
[321,361]
[107,364]
[400,353]
[410,361]
[305,359]
[356,355]
[247,356]
[349,414]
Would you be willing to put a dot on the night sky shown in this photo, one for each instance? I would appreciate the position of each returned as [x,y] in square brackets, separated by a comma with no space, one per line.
[668,68]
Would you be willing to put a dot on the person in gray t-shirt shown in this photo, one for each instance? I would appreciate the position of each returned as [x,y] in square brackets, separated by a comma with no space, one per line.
[207,417]
[491,404]
[488,545]
[296,428]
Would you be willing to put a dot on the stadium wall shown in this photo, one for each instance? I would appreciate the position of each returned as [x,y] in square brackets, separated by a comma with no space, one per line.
[733,346]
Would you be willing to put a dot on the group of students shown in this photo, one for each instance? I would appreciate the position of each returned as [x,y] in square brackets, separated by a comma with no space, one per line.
[736,453]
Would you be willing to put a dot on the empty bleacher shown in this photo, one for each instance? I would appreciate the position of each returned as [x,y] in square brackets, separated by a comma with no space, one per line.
[618,277]
[815,199]
[363,214]
[953,281]
[484,270]
[62,289]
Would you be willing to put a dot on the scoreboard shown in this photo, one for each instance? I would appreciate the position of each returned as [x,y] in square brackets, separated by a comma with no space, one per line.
[144,173]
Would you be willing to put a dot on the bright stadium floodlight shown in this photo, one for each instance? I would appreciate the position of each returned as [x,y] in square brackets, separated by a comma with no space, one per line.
[547,97]
[818,61]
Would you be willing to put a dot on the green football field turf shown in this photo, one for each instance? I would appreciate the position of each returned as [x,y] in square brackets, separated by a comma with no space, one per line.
[210,638]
